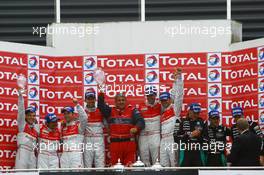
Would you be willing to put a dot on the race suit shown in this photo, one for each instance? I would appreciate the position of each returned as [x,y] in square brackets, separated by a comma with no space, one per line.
[26,139]
[94,139]
[149,139]
[122,144]
[169,119]
[72,139]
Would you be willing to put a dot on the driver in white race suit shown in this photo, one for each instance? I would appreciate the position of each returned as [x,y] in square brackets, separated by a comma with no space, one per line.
[27,136]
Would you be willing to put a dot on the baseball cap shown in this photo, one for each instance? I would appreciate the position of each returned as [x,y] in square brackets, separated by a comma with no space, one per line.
[195,107]
[30,109]
[90,93]
[237,111]
[213,114]
[51,118]
[151,90]
[164,96]
[67,109]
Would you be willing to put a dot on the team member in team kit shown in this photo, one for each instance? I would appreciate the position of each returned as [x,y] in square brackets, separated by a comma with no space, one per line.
[191,133]
[49,143]
[72,136]
[125,122]
[94,135]
[237,113]
[170,115]
[149,139]
[27,136]
[216,136]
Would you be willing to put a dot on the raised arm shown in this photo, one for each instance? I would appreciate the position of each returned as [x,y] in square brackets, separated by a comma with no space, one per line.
[103,107]
[21,112]
[82,116]
[177,93]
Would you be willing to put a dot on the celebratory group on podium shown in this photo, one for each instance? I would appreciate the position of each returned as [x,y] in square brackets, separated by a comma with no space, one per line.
[153,131]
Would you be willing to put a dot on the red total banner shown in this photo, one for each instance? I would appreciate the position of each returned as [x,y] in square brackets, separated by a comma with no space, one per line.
[218,81]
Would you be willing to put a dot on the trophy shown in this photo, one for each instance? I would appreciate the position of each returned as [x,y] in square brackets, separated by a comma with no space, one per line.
[138,163]
[99,76]
[21,82]
[156,166]
[119,167]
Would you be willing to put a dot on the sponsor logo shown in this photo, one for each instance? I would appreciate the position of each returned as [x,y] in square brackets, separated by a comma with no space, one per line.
[261,100]
[214,59]
[33,77]
[242,73]
[46,78]
[33,92]
[119,62]
[34,105]
[152,61]
[214,75]
[214,105]
[89,79]
[8,107]
[151,76]
[8,122]
[233,90]
[261,53]
[89,62]
[12,60]
[261,85]
[183,61]
[232,59]
[261,117]
[167,75]
[261,69]
[214,90]
[229,104]
[33,62]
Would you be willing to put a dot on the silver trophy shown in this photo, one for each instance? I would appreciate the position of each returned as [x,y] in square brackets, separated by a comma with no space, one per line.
[99,76]
[156,166]
[21,82]
[118,166]
[138,164]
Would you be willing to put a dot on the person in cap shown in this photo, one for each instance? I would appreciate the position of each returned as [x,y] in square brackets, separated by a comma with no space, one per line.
[237,113]
[94,134]
[171,105]
[27,136]
[246,148]
[73,136]
[215,136]
[191,133]
[149,138]
[49,143]
[125,123]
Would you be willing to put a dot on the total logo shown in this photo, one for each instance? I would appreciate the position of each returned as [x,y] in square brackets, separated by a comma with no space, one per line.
[214,75]
[261,53]
[152,61]
[33,62]
[34,104]
[261,117]
[152,76]
[33,77]
[214,104]
[89,62]
[261,100]
[214,90]
[214,59]
[261,69]
[261,85]
[33,93]
[88,78]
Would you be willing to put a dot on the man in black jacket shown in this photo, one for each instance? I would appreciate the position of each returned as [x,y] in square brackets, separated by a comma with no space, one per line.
[246,147]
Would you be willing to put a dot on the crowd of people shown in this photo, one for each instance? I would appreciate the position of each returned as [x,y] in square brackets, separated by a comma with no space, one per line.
[153,130]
